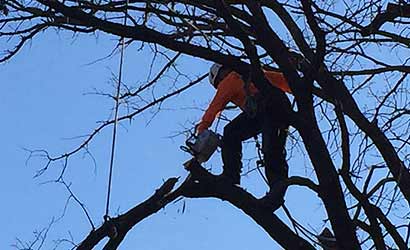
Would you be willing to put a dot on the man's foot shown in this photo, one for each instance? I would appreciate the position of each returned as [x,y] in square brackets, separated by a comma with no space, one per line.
[274,199]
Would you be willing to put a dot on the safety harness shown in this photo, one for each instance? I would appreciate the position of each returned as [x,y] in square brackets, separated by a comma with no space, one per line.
[251,105]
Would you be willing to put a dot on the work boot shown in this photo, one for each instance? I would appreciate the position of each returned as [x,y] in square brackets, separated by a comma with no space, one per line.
[274,199]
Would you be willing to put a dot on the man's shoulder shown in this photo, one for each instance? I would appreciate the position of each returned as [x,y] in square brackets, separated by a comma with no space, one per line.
[273,72]
[231,78]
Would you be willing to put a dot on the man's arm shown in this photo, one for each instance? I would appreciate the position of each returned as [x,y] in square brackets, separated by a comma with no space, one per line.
[278,80]
[222,97]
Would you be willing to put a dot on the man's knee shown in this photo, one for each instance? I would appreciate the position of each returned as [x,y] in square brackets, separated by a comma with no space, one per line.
[275,149]
[229,134]
[274,156]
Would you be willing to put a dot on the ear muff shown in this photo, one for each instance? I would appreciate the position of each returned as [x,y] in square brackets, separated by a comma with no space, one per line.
[213,73]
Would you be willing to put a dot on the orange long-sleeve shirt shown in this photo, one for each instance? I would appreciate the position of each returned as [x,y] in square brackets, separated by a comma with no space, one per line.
[231,89]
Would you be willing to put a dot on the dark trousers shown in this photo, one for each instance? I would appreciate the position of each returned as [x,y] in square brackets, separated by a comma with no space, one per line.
[272,122]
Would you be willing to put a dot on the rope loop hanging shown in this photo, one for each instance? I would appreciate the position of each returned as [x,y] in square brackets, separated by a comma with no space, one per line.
[114,131]
[260,163]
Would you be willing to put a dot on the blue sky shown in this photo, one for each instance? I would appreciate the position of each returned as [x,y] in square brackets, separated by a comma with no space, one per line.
[44,102]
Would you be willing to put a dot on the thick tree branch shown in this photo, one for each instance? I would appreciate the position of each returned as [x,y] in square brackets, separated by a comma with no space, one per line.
[200,183]
[208,185]
[374,228]
[330,189]
[142,33]
[338,91]
[123,223]
[392,12]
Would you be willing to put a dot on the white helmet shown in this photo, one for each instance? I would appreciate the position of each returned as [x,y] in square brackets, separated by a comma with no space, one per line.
[213,72]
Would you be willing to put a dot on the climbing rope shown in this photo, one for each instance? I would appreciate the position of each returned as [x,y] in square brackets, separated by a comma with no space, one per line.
[260,163]
[250,106]
[114,131]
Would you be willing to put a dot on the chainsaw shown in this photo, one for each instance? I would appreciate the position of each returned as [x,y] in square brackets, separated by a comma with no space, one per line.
[202,146]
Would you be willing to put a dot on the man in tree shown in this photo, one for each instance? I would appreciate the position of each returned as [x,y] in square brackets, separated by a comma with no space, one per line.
[259,116]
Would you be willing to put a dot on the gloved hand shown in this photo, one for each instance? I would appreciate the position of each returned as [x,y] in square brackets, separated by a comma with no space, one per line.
[199,128]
